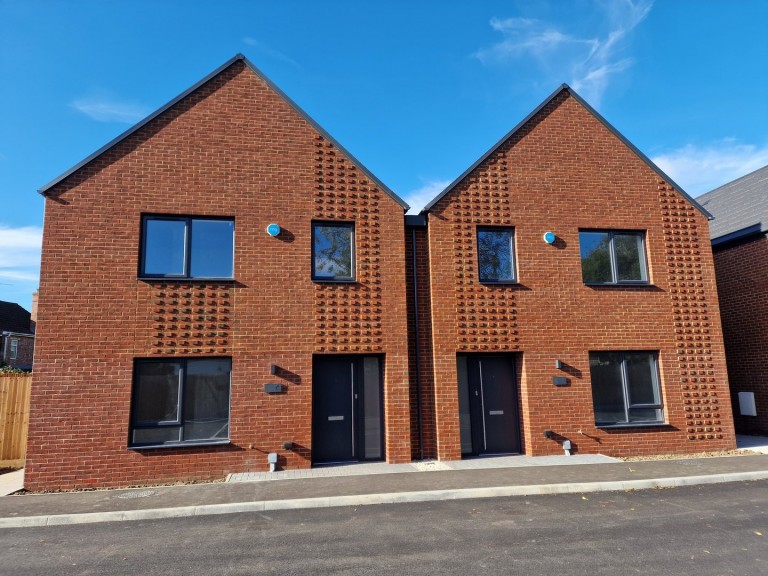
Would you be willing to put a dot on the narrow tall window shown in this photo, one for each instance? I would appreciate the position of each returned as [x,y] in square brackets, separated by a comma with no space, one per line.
[14,348]
[625,388]
[611,257]
[179,401]
[333,251]
[179,247]
[496,254]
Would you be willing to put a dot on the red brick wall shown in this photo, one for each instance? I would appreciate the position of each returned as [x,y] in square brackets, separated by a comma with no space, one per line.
[420,358]
[563,171]
[742,284]
[231,148]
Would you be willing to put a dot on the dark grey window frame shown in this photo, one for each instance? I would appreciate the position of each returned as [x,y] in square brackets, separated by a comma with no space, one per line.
[513,259]
[179,421]
[614,263]
[353,252]
[656,381]
[188,220]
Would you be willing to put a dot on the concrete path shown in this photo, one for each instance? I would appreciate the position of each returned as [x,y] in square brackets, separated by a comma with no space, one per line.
[364,489]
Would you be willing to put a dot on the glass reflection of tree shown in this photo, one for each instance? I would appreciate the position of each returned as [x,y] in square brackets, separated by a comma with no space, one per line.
[333,251]
[596,266]
[495,255]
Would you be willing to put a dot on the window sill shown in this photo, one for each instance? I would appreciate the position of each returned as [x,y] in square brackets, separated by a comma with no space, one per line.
[618,284]
[334,281]
[633,425]
[499,282]
[180,279]
[180,445]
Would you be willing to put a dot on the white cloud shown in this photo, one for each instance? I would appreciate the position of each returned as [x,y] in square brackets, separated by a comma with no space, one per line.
[20,264]
[587,62]
[701,168]
[421,196]
[271,52]
[107,109]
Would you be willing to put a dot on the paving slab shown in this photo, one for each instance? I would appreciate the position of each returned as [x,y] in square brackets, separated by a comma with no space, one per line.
[11,482]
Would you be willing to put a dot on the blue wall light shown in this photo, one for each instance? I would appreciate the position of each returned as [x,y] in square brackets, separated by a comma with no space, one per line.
[549,237]
[273,229]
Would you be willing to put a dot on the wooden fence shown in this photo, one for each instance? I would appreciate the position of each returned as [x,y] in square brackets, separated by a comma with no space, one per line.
[14,418]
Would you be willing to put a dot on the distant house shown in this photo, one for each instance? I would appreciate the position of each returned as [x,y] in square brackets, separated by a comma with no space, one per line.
[739,236]
[17,330]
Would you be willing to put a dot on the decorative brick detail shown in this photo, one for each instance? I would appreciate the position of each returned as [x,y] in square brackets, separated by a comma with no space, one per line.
[348,317]
[693,334]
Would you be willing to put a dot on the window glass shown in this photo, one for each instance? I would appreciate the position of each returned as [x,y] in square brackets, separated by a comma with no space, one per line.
[595,257]
[640,378]
[212,248]
[495,255]
[206,399]
[14,348]
[157,392]
[333,251]
[184,400]
[607,387]
[164,247]
[625,388]
[629,249]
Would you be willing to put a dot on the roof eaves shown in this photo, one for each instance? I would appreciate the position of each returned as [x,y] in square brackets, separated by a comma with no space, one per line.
[594,113]
[199,84]
[492,149]
[138,126]
[326,135]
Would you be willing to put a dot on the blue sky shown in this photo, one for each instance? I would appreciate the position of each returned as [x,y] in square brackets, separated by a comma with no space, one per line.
[417,91]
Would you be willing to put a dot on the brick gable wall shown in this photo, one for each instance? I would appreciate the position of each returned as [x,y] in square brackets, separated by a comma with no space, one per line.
[232,148]
[561,172]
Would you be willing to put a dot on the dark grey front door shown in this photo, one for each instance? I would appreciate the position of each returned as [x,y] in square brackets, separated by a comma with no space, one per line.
[488,405]
[346,409]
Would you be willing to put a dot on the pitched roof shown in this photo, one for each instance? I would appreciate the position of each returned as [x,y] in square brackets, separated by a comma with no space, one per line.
[13,318]
[211,76]
[740,207]
[596,114]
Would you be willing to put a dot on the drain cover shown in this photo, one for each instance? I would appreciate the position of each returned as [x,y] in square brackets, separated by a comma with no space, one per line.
[136,494]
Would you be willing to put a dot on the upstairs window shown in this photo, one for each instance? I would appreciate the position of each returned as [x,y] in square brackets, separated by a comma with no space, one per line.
[496,255]
[180,247]
[333,251]
[613,257]
[625,388]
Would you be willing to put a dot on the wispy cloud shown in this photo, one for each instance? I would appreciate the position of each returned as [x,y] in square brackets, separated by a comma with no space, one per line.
[588,62]
[109,109]
[20,264]
[701,168]
[270,52]
[421,196]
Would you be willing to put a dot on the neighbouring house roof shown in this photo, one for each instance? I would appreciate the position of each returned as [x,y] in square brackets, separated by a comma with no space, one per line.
[14,318]
[211,76]
[596,114]
[740,207]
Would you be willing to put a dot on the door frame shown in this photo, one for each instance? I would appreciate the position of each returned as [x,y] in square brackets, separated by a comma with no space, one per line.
[358,406]
[475,417]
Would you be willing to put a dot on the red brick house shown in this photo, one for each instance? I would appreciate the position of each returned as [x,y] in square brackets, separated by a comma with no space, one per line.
[17,336]
[251,292]
[568,296]
[740,245]
[238,272]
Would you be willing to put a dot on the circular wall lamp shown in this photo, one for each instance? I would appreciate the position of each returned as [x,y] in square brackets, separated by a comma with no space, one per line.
[273,230]
[549,237]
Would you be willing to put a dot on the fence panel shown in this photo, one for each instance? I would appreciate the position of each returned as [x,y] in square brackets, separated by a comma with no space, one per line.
[14,418]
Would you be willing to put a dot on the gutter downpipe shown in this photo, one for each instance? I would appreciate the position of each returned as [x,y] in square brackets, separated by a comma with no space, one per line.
[416,343]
